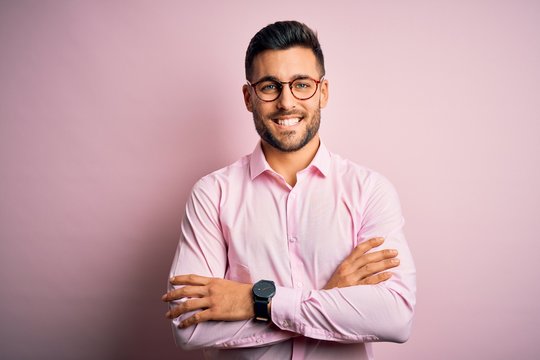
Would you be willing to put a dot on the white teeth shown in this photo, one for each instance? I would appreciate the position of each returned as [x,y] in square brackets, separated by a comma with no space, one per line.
[288,122]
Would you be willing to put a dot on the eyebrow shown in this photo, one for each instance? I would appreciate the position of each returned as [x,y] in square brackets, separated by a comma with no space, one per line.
[274,78]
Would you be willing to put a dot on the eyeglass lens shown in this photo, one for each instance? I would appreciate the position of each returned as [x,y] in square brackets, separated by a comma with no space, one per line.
[302,89]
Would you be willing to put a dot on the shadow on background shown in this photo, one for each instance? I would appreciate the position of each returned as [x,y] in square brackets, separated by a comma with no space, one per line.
[141,329]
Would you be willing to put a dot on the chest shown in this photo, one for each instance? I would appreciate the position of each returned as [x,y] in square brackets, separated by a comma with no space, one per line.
[275,233]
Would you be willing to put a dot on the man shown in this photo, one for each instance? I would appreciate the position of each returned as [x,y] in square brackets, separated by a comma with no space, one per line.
[277,255]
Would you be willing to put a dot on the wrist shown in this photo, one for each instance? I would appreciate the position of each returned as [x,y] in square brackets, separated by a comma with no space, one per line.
[263,291]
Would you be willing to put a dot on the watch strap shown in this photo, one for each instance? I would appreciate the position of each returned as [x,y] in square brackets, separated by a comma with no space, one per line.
[261,310]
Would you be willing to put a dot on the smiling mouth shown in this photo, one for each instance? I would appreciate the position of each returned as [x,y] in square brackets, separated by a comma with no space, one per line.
[287,122]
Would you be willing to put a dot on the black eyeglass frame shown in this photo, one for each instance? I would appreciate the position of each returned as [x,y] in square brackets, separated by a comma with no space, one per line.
[317,82]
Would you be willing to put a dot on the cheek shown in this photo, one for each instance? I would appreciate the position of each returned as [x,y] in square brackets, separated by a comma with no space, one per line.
[258,114]
[313,106]
[262,109]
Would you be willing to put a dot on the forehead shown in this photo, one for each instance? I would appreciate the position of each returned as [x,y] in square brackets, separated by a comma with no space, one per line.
[285,64]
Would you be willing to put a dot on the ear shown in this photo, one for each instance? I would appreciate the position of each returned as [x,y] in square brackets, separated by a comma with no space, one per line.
[324,93]
[247,97]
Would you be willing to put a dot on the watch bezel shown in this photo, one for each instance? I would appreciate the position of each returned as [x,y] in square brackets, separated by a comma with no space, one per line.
[267,292]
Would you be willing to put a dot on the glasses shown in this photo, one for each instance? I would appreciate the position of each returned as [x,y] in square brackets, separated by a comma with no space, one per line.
[302,88]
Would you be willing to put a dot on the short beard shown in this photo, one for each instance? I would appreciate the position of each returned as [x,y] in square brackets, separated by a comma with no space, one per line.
[265,133]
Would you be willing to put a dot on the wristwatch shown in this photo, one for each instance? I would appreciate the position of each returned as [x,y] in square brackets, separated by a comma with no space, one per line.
[263,291]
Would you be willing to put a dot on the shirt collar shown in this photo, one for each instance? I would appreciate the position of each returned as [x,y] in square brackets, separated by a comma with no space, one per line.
[258,163]
[321,161]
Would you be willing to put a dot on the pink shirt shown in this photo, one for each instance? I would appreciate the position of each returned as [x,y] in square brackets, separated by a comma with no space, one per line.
[245,223]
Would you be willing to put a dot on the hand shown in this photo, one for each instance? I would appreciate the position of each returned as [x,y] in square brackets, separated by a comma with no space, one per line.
[360,268]
[219,299]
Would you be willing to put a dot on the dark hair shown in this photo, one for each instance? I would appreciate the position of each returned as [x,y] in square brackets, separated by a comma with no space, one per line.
[283,35]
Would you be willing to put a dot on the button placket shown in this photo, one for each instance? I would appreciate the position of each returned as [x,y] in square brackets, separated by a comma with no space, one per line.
[292,237]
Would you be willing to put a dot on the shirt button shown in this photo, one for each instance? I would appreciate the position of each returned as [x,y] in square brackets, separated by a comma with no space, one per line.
[293,196]
[292,239]
[259,341]
[284,323]
[299,284]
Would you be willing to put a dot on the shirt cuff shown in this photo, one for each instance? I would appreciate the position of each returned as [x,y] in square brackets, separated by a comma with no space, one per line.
[285,309]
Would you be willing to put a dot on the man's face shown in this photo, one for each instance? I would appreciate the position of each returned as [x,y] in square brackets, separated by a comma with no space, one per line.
[287,124]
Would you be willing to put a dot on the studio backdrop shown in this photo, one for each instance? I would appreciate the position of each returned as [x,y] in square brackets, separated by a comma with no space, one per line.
[111,110]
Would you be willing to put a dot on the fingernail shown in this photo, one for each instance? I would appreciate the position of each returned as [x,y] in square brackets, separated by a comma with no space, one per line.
[395,261]
[393,251]
[164,297]
[171,279]
[168,314]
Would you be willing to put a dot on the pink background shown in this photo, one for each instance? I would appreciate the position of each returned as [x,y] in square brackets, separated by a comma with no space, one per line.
[110,111]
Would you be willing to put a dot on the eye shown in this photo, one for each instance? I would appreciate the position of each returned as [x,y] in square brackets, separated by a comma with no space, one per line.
[268,87]
[303,85]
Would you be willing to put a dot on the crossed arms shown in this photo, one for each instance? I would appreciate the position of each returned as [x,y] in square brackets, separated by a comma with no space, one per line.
[226,300]
[361,301]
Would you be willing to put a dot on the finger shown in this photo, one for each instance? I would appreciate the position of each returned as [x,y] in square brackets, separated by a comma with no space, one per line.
[199,317]
[187,306]
[186,291]
[351,263]
[365,246]
[373,257]
[190,279]
[376,279]
[376,267]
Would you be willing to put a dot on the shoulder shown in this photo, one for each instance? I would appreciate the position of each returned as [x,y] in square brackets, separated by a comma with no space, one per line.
[350,172]
[374,191]
[221,178]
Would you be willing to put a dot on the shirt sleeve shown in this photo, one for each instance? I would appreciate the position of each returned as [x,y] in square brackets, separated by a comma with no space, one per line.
[362,313]
[202,250]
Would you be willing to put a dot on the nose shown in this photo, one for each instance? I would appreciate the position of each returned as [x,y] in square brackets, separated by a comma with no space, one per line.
[286,99]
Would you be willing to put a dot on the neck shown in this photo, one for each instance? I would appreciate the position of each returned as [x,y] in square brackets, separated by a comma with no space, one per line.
[287,164]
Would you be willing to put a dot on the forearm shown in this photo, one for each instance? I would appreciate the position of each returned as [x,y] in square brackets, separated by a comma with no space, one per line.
[359,313]
[214,312]
[227,334]
[352,314]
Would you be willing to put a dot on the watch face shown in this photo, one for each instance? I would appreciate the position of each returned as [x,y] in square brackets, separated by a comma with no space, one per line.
[264,289]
